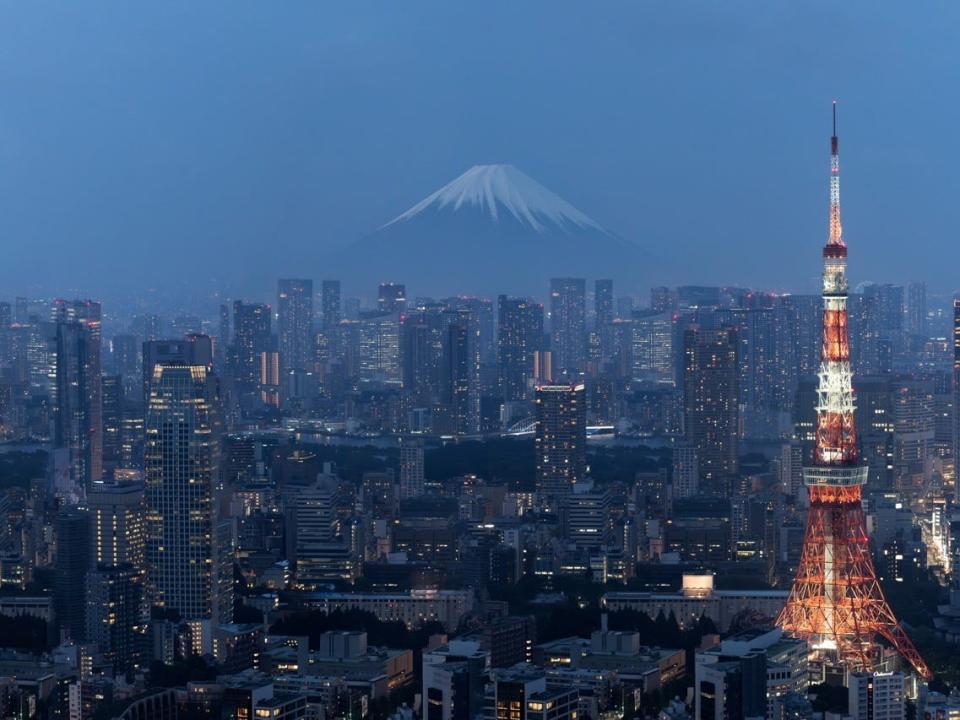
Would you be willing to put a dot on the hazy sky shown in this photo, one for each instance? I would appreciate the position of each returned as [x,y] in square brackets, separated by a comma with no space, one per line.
[239,140]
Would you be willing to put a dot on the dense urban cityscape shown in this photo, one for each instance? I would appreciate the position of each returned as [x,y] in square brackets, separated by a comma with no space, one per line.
[717,502]
[479,361]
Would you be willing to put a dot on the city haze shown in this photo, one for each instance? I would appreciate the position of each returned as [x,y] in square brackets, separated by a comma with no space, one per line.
[226,144]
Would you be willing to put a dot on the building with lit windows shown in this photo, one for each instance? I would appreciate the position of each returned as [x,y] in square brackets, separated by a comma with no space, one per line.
[78,401]
[561,439]
[876,696]
[519,337]
[251,338]
[698,598]
[117,511]
[412,608]
[710,405]
[295,323]
[181,467]
[568,323]
[525,694]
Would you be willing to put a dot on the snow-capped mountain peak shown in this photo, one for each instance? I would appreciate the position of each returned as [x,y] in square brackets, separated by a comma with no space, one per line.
[495,189]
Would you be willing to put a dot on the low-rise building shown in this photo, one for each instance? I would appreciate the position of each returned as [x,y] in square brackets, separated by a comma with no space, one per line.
[413,608]
[699,598]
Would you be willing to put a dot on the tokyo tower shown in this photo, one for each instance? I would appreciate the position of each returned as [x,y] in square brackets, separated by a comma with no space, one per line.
[836,602]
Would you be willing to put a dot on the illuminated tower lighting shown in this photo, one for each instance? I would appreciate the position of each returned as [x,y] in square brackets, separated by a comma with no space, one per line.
[836,602]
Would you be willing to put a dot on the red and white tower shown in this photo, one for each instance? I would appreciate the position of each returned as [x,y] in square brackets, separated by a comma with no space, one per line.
[836,602]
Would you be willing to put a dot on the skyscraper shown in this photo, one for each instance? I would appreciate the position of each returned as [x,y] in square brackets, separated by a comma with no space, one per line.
[652,347]
[567,323]
[114,614]
[561,439]
[379,349]
[295,323]
[118,524]
[192,350]
[392,297]
[78,409]
[460,373]
[319,549]
[181,462]
[603,315]
[915,309]
[72,565]
[411,468]
[330,302]
[421,353]
[112,404]
[519,336]
[251,338]
[711,417]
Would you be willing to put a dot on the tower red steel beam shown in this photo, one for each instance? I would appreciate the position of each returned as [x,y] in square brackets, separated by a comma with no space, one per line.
[836,602]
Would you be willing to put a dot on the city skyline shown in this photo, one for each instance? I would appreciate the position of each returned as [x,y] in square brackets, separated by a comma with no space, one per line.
[572,436]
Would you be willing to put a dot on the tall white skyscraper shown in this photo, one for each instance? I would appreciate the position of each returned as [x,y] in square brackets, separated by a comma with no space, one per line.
[181,462]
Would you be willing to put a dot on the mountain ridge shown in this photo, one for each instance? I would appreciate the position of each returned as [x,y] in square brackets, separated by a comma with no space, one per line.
[491,230]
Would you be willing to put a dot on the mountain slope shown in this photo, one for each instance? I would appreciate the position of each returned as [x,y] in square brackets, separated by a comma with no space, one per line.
[491,230]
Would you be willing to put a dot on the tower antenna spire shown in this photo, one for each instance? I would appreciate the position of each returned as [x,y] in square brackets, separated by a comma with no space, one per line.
[834,118]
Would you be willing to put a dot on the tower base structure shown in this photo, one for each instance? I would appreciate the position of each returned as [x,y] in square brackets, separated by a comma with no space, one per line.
[836,603]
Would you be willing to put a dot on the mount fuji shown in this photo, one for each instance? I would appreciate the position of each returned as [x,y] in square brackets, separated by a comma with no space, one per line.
[491,230]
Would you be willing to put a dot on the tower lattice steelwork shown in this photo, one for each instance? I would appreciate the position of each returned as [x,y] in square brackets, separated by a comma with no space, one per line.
[836,602]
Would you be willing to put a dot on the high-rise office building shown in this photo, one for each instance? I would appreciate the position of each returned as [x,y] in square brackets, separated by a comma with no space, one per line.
[915,310]
[651,350]
[319,547]
[768,376]
[876,696]
[411,468]
[392,297]
[603,315]
[519,337]
[78,407]
[295,323]
[379,347]
[114,614]
[71,567]
[125,356]
[460,374]
[803,312]
[561,438]
[251,338]
[421,354]
[191,350]
[181,466]
[686,471]
[223,340]
[117,514]
[587,519]
[112,404]
[330,303]
[567,323]
[711,416]
[270,374]
[663,299]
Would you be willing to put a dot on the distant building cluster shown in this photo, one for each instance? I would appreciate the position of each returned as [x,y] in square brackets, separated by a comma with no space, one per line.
[221,511]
